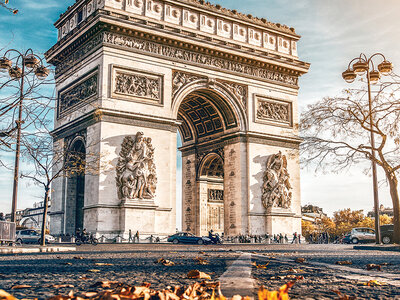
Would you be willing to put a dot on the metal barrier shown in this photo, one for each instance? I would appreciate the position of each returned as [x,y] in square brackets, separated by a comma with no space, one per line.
[7,231]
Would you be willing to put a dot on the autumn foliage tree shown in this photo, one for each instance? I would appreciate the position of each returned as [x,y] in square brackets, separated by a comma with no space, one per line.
[336,133]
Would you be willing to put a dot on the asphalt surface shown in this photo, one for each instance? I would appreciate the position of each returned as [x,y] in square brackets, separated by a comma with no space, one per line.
[49,274]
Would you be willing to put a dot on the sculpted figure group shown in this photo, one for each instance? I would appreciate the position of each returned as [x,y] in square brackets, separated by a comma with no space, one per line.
[276,187]
[136,171]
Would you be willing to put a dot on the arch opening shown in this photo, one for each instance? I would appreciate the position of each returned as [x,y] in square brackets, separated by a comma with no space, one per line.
[75,200]
[204,116]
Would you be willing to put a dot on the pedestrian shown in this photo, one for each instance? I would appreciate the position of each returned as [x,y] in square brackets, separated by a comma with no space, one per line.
[137,236]
[294,238]
[286,239]
[130,238]
[299,237]
[2,217]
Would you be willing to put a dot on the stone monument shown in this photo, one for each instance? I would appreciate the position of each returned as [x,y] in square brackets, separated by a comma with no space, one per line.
[133,74]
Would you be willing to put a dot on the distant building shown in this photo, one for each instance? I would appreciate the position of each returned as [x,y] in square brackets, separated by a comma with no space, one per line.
[382,211]
[312,213]
[31,218]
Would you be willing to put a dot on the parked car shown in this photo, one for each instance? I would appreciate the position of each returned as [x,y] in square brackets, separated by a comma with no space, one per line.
[362,235]
[31,236]
[387,233]
[346,239]
[188,238]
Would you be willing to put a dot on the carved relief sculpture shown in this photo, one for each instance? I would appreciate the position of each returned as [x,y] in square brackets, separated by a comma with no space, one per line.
[273,111]
[136,171]
[180,79]
[239,90]
[276,187]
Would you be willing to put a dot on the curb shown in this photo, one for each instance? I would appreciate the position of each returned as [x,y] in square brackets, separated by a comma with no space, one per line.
[14,250]
[378,247]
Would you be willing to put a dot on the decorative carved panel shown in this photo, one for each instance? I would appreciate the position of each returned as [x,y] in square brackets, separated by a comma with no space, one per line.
[273,111]
[276,186]
[215,195]
[180,79]
[239,90]
[137,85]
[78,93]
[136,170]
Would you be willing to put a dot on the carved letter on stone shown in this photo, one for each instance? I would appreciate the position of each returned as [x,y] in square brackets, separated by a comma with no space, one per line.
[136,171]
[276,187]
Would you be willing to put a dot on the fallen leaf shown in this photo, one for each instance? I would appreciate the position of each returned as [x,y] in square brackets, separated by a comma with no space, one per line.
[67,264]
[164,262]
[20,286]
[89,294]
[372,283]
[94,271]
[196,274]
[103,264]
[344,296]
[6,296]
[300,260]
[201,261]
[287,277]
[295,270]
[59,286]
[282,294]
[78,257]
[107,284]
[373,267]
[262,266]
[343,262]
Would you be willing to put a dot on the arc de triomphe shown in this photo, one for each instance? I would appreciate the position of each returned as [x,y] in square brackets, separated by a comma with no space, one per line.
[133,74]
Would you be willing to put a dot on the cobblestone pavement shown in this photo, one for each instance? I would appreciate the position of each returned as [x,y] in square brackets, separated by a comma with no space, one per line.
[134,264]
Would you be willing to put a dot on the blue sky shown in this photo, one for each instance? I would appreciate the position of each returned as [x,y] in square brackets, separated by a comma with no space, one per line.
[333,32]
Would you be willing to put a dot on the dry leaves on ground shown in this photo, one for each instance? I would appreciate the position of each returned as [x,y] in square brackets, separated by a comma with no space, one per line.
[94,271]
[343,296]
[374,267]
[78,257]
[164,262]
[60,286]
[196,274]
[287,277]
[201,261]
[260,266]
[20,286]
[282,294]
[300,260]
[344,262]
[296,270]
[204,290]
[103,264]
[372,283]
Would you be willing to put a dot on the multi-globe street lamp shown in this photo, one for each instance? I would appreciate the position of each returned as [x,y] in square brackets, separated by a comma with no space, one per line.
[361,66]
[19,66]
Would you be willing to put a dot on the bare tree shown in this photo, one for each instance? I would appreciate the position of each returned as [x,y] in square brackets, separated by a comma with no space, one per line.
[336,133]
[50,162]
[5,4]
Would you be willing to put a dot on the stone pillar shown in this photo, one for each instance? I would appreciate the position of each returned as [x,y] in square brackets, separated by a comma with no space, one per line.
[235,189]
[189,189]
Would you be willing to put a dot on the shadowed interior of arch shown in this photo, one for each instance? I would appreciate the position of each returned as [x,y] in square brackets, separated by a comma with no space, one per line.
[204,113]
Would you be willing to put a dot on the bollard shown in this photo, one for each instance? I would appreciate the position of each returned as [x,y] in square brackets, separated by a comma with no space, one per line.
[118,239]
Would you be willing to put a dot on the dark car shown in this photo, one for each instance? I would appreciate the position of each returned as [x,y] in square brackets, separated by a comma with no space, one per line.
[387,233]
[346,239]
[187,238]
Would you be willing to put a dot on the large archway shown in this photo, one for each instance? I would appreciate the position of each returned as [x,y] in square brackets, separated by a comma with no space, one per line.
[75,200]
[206,117]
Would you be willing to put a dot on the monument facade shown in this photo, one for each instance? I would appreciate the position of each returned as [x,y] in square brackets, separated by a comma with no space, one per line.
[133,74]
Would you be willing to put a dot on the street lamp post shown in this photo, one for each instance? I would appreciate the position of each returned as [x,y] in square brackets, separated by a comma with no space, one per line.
[25,64]
[360,66]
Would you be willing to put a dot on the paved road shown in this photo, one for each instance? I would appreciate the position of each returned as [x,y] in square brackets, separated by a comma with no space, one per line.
[134,263]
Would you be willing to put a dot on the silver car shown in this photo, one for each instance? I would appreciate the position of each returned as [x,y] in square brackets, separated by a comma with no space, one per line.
[31,236]
[362,234]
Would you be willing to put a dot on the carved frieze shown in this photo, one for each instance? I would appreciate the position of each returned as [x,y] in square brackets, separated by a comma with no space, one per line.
[273,111]
[276,186]
[136,171]
[115,39]
[136,85]
[215,195]
[79,93]
[180,79]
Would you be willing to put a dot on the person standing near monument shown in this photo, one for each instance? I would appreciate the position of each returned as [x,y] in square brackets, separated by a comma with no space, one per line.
[137,236]
[130,238]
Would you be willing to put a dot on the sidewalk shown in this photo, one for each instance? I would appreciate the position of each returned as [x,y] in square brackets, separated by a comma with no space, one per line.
[35,249]
[375,247]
